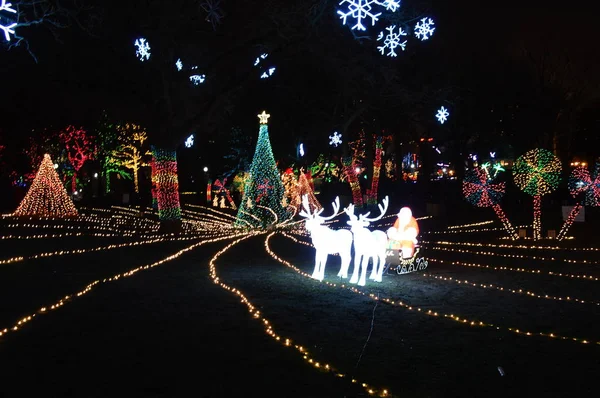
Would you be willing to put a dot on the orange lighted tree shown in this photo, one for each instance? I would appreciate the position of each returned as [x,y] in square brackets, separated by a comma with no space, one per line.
[79,149]
[130,152]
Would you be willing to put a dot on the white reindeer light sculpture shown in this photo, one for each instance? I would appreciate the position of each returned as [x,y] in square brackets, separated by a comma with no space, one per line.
[325,240]
[367,245]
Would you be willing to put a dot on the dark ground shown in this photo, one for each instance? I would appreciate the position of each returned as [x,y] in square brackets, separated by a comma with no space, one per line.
[171,332]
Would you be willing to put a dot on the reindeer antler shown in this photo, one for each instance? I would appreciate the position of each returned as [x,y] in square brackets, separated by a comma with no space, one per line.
[336,208]
[382,209]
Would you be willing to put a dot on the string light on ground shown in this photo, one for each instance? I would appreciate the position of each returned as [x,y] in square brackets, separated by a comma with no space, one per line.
[464,321]
[482,253]
[515,269]
[527,293]
[512,246]
[88,288]
[269,330]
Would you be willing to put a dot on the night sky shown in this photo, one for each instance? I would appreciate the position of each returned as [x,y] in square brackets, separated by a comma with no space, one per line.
[76,78]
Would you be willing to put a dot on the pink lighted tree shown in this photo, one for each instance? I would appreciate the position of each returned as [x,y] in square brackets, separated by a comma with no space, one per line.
[79,147]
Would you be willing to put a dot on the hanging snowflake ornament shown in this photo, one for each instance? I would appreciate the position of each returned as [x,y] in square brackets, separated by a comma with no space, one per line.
[359,10]
[258,59]
[213,12]
[179,65]
[335,139]
[5,8]
[424,29]
[197,79]
[391,5]
[143,49]
[189,142]
[442,115]
[391,41]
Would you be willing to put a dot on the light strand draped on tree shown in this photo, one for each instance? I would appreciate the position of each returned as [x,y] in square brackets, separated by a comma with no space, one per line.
[79,150]
[261,204]
[372,192]
[587,186]
[130,153]
[167,184]
[47,196]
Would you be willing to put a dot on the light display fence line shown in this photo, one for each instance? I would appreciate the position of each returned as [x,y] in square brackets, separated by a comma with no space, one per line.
[431,313]
[482,253]
[70,298]
[525,293]
[288,342]
[513,269]
[210,209]
[511,246]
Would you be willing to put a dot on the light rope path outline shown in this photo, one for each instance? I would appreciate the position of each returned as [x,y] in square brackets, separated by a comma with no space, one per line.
[512,269]
[70,298]
[489,286]
[481,253]
[256,314]
[505,246]
[93,249]
[428,312]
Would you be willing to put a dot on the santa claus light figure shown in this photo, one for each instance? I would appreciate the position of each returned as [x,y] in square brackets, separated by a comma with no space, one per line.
[403,235]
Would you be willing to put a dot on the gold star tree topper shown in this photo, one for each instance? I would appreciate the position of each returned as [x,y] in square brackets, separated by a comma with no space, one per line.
[264,117]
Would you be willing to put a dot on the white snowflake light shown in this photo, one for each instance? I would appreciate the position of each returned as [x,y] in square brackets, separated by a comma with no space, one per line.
[197,79]
[268,73]
[143,49]
[442,115]
[8,29]
[424,29]
[301,149]
[179,64]
[335,139]
[190,141]
[359,10]
[391,5]
[391,41]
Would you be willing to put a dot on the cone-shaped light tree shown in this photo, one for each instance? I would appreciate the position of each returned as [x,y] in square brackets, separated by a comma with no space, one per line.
[47,196]
[304,188]
[261,203]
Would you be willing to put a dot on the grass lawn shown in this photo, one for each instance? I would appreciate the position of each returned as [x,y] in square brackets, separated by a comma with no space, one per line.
[169,331]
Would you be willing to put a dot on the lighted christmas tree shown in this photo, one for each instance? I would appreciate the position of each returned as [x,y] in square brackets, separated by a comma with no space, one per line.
[47,196]
[304,188]
[263,193]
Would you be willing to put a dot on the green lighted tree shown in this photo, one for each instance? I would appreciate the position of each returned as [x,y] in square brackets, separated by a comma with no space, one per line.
[130,153]
[107,143]
[263,193]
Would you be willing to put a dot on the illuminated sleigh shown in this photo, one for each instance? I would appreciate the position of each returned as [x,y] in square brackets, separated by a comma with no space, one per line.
[397,263]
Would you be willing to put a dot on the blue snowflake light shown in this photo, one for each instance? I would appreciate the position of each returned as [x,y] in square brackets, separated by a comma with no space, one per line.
[179,65]
[335,139]
[442,115]
[10,28]
[301,150]
[258,59]
[197,79]
[424,29]
[359,10]
[391,5]
[143,49]
[391,41]
[190,141]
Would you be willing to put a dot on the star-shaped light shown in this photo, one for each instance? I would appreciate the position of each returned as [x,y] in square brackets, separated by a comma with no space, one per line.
[264,117]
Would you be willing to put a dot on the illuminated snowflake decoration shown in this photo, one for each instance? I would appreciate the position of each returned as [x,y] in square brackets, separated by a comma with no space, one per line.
[268,73]
[143,49]
[190,141]
[258,59]
[335,139]
[301,149]
[214,13]
[359,10]
[442,115]
[424,29]
[179,65]
[391,5]
[197,79]
[391,41]
[10,28]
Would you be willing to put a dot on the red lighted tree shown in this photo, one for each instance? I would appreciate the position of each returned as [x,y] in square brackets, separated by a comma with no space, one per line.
[79,147]
[47,196]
